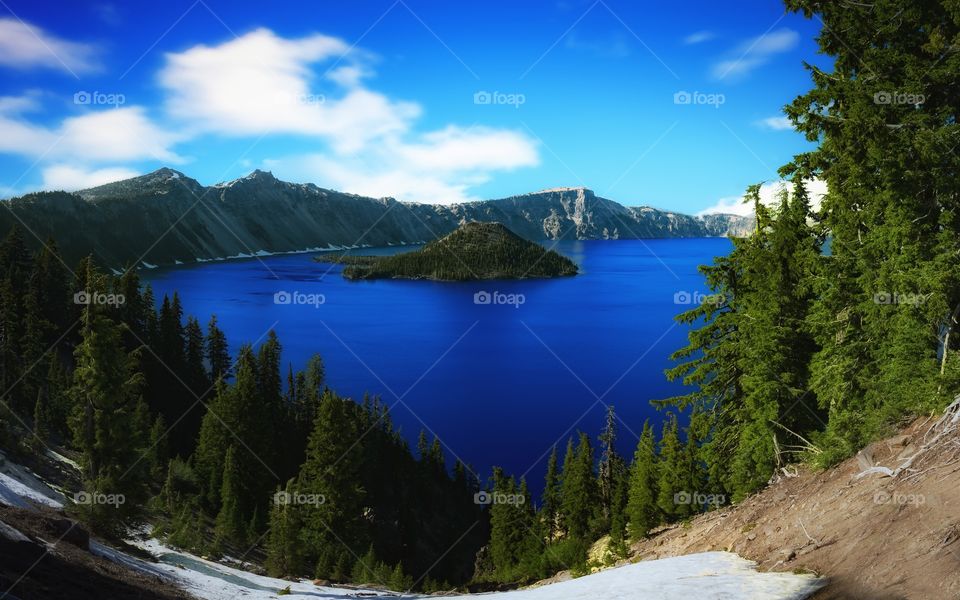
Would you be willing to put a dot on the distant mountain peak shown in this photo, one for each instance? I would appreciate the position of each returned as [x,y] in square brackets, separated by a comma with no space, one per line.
[258,174]
[561,190]
[165,172]
[255,176]
[155,182]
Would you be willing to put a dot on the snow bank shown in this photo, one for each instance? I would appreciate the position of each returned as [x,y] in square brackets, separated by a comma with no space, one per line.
[214,581]
[21,488]
[706,576]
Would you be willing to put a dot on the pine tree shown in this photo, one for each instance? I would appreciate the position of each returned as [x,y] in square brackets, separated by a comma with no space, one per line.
[211,445]
[400,581]
[42,418]
[671,478]
[51,284]
[609,463]
[551,496]
[159,450]
[894,234]
[365,569]
[333,471]
[618,516]
[504,533]
[108,422]
[579,491]
[230,525]
[642,509]
[217,351]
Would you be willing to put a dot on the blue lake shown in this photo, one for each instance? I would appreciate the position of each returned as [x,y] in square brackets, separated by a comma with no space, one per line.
[499,384]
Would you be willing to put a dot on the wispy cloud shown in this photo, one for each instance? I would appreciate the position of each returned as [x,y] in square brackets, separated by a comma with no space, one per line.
[775,123]
[118,134]
[755,53]
[24,46]
[438,167]
[699,37]
[70,178]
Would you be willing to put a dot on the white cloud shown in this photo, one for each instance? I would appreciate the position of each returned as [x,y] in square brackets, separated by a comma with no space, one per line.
[699,37]
[438,167]
[71,178]
[23,46]
[15,105]
[755,53]
[348,76]
[769,196]
[261,84]
[454,150]
[776,123]
[352,137]
[119,134]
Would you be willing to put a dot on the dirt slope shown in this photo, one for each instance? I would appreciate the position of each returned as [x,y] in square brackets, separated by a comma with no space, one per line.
[876,536]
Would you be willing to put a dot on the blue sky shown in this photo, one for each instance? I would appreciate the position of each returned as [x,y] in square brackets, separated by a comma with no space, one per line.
[420,100]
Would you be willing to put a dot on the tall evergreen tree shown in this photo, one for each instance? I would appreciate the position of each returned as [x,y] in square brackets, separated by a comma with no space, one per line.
[217,351]
[642,509]
[108,423]
[284,555]
[672,480]
[333,471]
[230,525]
[887,291]
[579,504]
[552,496]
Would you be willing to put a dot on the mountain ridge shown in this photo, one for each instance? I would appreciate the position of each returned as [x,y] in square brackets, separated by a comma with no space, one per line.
[165,218]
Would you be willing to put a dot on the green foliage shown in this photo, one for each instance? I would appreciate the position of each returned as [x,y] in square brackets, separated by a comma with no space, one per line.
[474,251]
[579,503]
[671,478]
[109,421]
[552,498]
[284,555]
[515,539]
[231,525]
[642,510]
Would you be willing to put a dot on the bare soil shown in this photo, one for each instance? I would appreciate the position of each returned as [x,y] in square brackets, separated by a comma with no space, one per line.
[875,537]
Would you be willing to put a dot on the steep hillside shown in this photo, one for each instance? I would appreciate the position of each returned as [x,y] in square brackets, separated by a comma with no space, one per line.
[883,525]
[165,217]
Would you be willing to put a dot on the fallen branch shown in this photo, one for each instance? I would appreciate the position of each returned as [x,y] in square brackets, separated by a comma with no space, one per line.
[944,426]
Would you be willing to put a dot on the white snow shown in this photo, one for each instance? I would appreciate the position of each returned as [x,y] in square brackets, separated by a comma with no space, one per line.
[21,488]
[214,581]
[11,533]
[705,576]
[62,459]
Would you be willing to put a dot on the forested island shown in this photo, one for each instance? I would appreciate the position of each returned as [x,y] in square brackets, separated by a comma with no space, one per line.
[474,251]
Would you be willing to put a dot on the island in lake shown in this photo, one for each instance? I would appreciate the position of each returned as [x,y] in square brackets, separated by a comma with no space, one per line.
[474,251]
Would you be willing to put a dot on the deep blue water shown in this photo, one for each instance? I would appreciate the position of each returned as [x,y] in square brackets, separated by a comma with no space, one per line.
[499,384]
